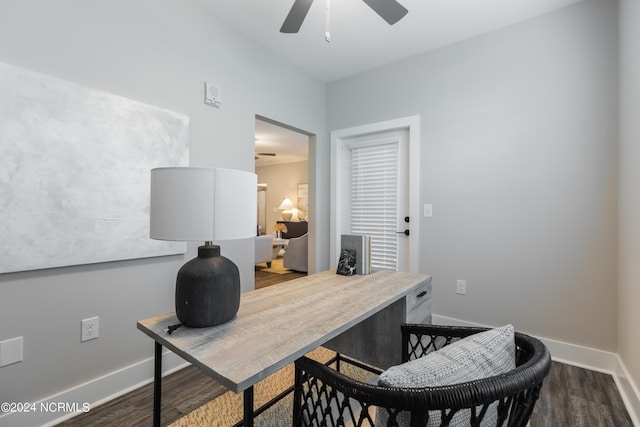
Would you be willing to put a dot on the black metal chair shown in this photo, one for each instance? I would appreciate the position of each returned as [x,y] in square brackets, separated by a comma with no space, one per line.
[326,397]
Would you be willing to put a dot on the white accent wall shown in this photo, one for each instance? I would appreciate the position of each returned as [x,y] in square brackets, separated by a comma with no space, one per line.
[158,53]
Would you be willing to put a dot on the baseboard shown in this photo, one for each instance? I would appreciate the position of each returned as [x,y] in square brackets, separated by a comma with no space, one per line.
[117,383]
[94,392]
[584,357]
[629,391]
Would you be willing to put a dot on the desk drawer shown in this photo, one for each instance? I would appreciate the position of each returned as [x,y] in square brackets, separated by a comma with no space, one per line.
[420,314]
[418,296]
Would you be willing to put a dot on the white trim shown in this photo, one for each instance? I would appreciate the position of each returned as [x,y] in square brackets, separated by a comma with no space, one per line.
[412,124]
[583,357]
[382,141]
[628,390]
[122,381]
[95,392]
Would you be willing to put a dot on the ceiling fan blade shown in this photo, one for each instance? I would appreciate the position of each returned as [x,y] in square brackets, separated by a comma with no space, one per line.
[295,18]
[389,10]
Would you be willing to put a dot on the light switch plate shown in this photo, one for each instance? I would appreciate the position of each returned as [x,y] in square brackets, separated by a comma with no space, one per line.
[428,210]
[10,351]
[461,287]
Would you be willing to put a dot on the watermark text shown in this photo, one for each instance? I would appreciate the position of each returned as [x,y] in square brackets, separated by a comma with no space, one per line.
[46,407]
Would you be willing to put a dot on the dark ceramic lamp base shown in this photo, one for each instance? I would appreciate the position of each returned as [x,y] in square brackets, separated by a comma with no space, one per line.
[207,289]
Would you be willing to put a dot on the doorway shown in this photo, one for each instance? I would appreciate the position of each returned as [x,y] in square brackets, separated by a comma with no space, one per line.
[375,190]
[282,166]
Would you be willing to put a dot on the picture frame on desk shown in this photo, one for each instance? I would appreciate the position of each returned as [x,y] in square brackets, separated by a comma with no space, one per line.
[347,262]
[360,244]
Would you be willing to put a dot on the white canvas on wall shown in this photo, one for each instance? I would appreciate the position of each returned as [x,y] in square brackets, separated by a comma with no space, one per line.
[75,172]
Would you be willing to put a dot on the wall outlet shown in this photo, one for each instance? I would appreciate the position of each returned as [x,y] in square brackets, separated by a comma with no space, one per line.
[461,287]
[90,329]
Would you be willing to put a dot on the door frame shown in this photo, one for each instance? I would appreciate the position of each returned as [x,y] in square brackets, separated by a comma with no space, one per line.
[311,181]
[338,138]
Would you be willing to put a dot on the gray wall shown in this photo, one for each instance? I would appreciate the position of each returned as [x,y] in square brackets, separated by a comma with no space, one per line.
[519,159]
[159,53]
[519,155]
[629,229]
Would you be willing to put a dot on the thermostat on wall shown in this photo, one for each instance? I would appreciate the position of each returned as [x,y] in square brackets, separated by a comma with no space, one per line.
[212,95]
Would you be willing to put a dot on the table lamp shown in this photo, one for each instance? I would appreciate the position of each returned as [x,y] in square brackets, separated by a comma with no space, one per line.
[285,208]
[206,205]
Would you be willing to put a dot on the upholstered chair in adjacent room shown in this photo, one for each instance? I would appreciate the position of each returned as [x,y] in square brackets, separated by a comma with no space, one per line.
[297,254]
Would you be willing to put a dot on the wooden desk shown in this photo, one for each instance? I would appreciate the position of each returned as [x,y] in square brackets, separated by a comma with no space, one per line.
[278,324]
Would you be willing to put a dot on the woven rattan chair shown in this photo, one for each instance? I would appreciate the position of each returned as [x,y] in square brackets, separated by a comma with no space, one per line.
[326,397]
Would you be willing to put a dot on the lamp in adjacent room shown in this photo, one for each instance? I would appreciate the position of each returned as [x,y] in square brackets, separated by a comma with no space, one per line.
[285,208]
[206,205]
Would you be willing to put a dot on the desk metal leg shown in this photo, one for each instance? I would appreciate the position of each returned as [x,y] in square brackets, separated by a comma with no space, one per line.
[248,407]
[157,385]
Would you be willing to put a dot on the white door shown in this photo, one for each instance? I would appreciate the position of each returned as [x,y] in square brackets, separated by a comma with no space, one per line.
[371,192]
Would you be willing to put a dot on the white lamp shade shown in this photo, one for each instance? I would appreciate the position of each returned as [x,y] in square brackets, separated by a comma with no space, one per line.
[286,204]
[202,204]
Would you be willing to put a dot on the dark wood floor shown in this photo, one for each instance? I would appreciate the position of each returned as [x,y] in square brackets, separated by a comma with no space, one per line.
[579,397]
[570,396]
[264,278]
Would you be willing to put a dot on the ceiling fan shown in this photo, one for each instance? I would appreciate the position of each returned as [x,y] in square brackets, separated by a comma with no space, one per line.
[264,154]
[389,10]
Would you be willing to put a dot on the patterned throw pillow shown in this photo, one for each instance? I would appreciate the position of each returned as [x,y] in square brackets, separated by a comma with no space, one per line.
[475,357]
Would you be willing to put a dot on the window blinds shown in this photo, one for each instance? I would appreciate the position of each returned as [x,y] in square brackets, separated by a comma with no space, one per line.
[374,200]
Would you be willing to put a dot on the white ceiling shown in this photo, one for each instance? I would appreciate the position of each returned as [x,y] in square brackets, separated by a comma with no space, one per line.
[360,39]
[287,145]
